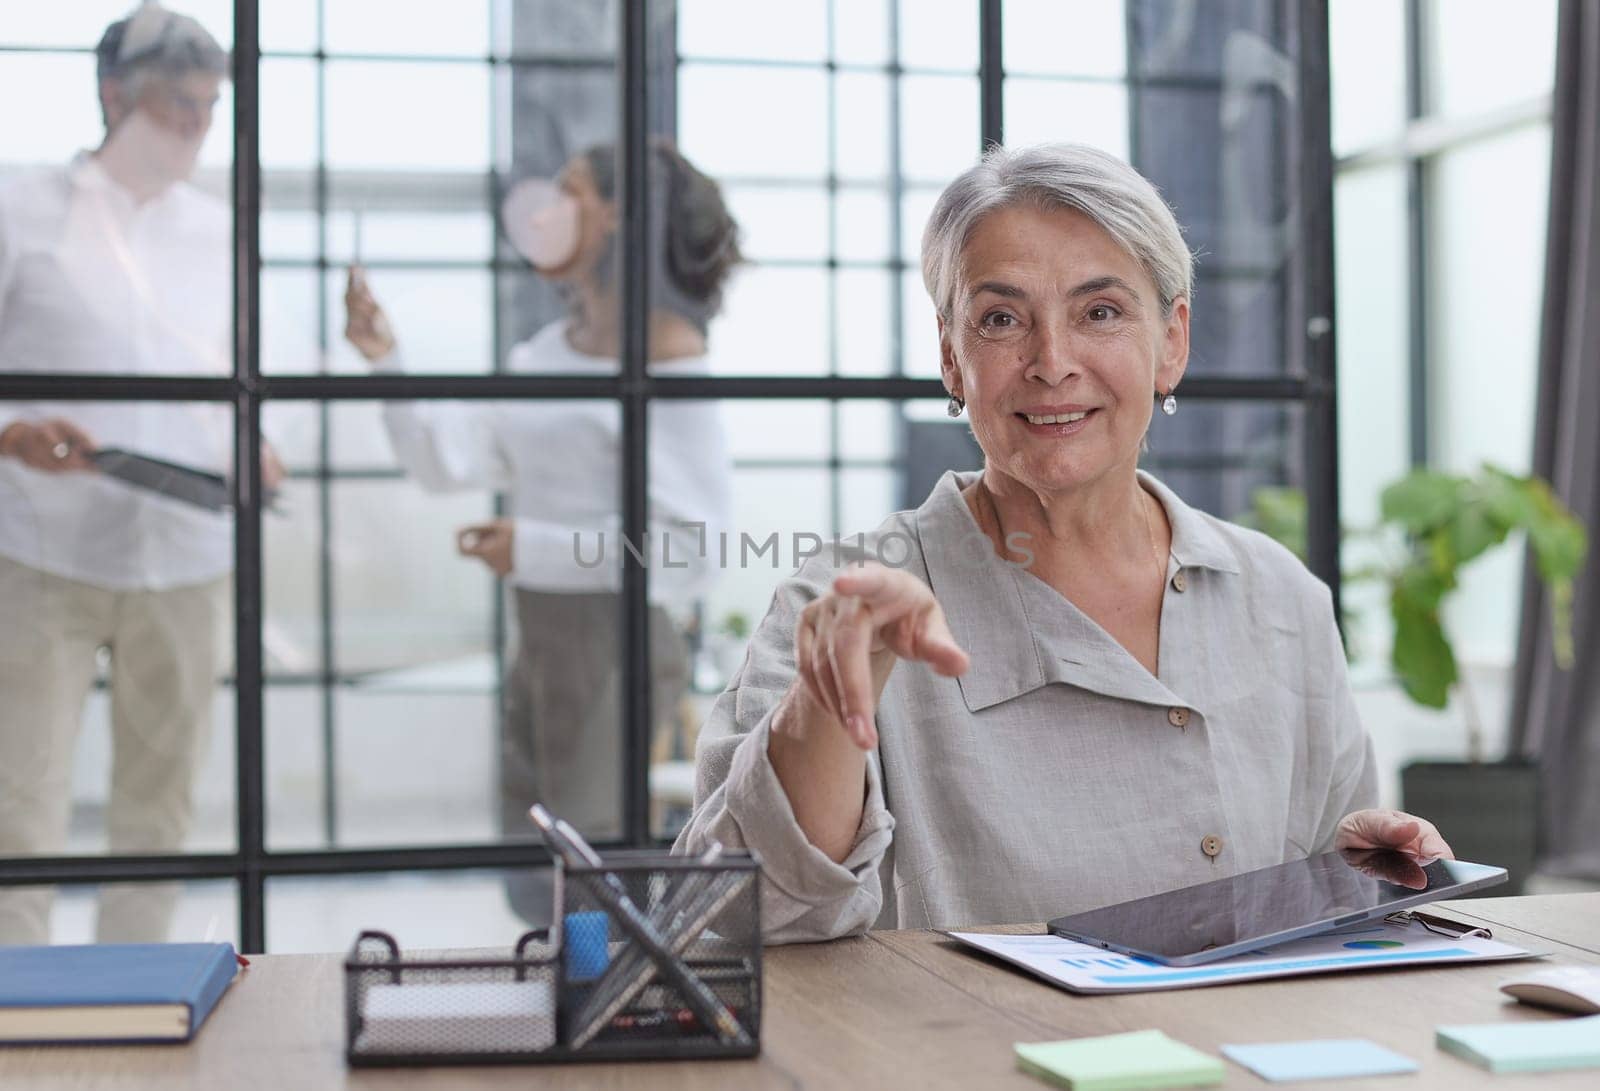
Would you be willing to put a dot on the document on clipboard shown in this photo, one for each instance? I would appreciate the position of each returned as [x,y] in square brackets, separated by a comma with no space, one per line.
[1397,941]
[202,488]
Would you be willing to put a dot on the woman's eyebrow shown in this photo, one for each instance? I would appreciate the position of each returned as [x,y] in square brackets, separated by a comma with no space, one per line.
[1100,284]
[999,288]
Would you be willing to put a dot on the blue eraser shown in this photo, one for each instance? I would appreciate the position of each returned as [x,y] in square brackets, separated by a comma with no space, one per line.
[584,950]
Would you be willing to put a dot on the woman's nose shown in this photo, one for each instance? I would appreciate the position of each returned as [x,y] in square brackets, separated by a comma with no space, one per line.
[1054,358]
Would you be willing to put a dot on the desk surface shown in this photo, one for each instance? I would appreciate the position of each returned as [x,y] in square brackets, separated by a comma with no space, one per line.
[891,1009]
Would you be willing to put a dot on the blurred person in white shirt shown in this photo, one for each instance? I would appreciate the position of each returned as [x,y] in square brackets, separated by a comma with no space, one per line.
[114,264]
[558,462]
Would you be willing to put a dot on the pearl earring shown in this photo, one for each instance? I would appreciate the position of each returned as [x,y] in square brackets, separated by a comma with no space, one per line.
[1169,404]
[955,406]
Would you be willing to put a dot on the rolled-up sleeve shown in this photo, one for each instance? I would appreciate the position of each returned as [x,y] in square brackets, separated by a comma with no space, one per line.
[740,802]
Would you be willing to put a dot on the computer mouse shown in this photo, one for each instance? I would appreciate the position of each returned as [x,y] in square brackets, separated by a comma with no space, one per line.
[1569,988]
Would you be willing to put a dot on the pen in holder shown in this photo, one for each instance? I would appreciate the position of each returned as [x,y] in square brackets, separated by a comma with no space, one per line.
[681,946]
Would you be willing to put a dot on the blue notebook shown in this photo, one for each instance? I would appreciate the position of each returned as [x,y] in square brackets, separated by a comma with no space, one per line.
[132,992]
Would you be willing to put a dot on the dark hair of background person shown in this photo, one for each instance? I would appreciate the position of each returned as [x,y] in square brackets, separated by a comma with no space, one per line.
[702,238]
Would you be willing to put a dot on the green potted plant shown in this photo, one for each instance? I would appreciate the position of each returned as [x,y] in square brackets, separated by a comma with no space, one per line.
[1431,525]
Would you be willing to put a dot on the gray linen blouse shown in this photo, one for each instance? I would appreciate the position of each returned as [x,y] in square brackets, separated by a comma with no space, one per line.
[1057,774]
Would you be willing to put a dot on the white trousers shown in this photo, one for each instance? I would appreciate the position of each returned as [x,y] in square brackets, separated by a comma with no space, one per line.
[165,659]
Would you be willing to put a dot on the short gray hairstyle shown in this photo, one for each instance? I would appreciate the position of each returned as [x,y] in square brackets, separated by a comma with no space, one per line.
[1101,186]
[156,40]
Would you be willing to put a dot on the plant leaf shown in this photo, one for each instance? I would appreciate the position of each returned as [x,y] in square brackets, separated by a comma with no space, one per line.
[1421,656]
[1422,500]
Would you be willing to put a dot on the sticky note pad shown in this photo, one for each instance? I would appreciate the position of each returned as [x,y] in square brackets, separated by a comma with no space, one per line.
[1119,1062]
[1319,1059]
[1540,1046]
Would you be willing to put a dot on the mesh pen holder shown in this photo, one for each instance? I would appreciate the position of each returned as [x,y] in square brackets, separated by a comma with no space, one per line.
[680,975]
[648,956]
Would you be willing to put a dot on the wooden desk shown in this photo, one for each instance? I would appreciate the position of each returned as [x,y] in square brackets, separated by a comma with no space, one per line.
[892,1009]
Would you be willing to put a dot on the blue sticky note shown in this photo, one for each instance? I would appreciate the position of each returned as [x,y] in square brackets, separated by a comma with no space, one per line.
[1319,1059]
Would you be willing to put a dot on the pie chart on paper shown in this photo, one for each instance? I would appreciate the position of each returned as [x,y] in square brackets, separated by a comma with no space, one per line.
[1373,944]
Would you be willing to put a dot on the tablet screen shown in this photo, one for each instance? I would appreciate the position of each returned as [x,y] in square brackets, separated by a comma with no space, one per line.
[1272,905]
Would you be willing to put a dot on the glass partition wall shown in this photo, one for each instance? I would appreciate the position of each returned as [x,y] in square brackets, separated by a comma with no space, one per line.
[479,484]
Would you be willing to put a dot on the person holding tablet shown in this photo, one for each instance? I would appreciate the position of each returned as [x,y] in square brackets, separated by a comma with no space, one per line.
[1054,685]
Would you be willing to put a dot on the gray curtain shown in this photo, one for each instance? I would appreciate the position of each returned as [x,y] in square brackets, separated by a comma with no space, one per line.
[1555,713]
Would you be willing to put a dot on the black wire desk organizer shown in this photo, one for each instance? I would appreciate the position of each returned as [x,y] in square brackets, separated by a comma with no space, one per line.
[649,956]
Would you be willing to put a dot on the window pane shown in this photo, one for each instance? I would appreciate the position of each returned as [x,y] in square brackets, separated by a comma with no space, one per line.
[394,116]
[744,31]
[939,34]
[919,344]
[1048,111]
[406,740]
[1481,59]
[197,911]
[288,124]
[761,302]
[1366,71]
[1071,38]
[54,135]
[1372,291]
[864,218]
[861,31]
[1374,370]
[108,263]
[786,224]
[414,27]
[1488,203]
[453,909]
[861,144]
[116,727]
[442,319]
[938,127]
[737,121]
[862,306]
[288,26]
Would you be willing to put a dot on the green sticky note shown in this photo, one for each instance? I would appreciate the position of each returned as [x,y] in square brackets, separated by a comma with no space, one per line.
[1119,1062]
[1540,1046]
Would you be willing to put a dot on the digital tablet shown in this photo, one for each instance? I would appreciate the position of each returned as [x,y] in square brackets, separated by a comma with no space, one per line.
[202,488]
[1259,908]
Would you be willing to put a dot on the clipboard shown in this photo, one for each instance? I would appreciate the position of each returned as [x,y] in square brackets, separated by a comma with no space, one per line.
[202,488]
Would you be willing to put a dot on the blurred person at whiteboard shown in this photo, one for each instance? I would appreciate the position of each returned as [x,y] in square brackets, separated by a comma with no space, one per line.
[558,461]
[114,264]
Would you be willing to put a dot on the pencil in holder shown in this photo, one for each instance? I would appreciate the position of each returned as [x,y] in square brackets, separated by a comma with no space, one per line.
[662,957]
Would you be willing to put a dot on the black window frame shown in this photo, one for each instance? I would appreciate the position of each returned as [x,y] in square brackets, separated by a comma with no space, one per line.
[247,390]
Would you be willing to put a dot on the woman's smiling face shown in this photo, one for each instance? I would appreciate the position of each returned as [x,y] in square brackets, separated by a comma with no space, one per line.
[1058,344]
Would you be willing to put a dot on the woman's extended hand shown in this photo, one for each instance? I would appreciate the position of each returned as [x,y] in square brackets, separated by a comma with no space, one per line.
[365,325]
[847,641]
[489,542]
[1394,830]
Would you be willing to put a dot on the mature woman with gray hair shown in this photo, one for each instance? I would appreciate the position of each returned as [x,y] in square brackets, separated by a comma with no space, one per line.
[1054,685]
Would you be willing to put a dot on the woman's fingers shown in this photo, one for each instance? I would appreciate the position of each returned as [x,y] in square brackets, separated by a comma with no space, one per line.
[805,639]
[822,664]
[1394,830]
[852,667]
[937,646]
[868,608]
[902,605]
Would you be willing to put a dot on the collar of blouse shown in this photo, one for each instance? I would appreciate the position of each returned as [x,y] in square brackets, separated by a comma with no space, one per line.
[989,601]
